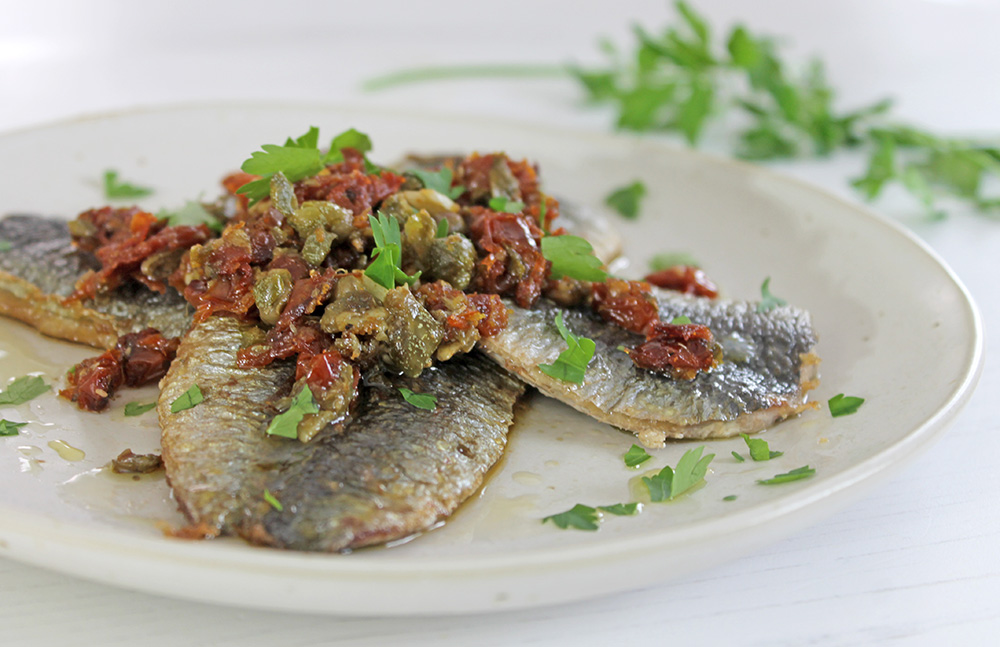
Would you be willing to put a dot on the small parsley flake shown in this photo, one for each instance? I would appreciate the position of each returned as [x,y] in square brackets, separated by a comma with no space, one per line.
[286,424]
[768,301]
[670,483]
[506,205]
[626,199]
[730,497]
[387,254]
[270,498]
[794,475]
[23,389]
[115,189]
[572,256]
[137,408]
[9,427]
[443,228]
[672,259]
[439,180]
[424,401]
[636,456]
[571,365]
[738,457]
[622,509]
[759,451]
[192,214]
[581,517]
[680,320]
[844,405]
[190,398]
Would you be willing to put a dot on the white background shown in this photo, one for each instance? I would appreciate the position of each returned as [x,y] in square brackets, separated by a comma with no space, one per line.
[916,562]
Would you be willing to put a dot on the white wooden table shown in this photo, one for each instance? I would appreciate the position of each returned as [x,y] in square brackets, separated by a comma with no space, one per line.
[916,562]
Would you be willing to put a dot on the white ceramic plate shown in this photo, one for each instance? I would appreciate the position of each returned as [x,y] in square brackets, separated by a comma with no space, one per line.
[896,328]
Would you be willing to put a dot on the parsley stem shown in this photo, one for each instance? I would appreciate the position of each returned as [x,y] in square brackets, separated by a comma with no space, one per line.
[455,72]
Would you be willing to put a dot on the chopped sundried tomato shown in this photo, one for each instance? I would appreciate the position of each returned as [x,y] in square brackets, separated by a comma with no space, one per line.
[95,228]
[495,311]
[685,278]
[138,358]
[681,349]
[234,181]
[513,263]
[349,185]
[477,173]
[121,251]
[628,304]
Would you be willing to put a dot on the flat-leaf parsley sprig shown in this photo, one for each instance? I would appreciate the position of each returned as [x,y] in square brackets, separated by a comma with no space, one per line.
[571,365]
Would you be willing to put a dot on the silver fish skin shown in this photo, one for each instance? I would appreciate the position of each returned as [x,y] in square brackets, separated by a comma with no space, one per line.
[767,369]
[393,470]
[40,271]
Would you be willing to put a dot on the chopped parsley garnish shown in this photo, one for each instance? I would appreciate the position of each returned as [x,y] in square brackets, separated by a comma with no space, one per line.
[571,365]
[286,424]
[794,475]
[137,408]
[581,517]
[670,483]
[636,456]
[10,428]
[193,214]
[738,457]
[23,389]
[298,159]
[844,405]
[729,497]
[626,199]
[621,509]
[5,245]
[387,255]
[439,181]
[672,259]
[572,256]
[506,205]
[680,320]
[759,451]
[424,401]
[115,189]
[443,228]
[270,498]
[768,301]
[190,398]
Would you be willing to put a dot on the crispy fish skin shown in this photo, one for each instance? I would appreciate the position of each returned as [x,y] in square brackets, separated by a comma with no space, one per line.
[40,271]
[767,369]
[392,471]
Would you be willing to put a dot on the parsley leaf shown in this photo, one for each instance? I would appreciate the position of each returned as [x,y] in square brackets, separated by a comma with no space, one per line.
[137,409]
[270,498]
[23,389]
[309,140]
[442,229]
[844,405]
[439,181]
[295,162]
[680,320]
[192,213]
[625,200]
[5,245]
[759,451]
[571,365]
[669,483]
[672,259]
[115,189]
[350,138]
[636,456]
[10,428]
[738,457]
[387,255]
[768,301]
[621,509]
[787,477]
[424,401]
[572,256]
[286,424]
[729,497]
[581,517]
[190,398]
[506,205]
